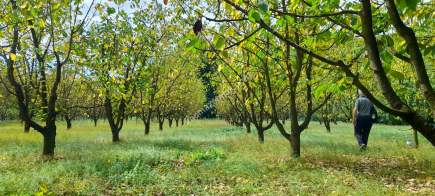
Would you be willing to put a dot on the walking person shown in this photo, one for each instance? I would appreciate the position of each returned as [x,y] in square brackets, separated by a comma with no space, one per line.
[362,117]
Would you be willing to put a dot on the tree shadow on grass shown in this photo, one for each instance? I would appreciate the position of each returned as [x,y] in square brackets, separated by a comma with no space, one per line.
[392,171]
[345,156]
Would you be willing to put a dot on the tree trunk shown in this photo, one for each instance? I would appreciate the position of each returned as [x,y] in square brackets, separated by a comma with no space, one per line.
[161,124]
[411,117]
[373,53]
[147,123]
[68,122]
[49,141]
[260,135]
[147,128]
[115,136]
[182,121]
[176,121]
[170,122]
[115,125]
[26,127]
[415,137]
[94,112]
[248,127]
[327,124]
[295,143]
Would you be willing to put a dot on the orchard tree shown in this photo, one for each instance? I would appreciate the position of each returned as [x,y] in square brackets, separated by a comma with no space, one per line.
[41,36]
[187,96]
[71,94]
[171,77]
[116,50]
[161,35]
[93,102]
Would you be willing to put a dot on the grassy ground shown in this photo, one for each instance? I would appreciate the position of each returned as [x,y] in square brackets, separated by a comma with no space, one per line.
[211,157]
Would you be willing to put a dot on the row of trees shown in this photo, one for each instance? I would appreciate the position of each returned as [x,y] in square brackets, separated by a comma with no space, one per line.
[298,58]
[69,59]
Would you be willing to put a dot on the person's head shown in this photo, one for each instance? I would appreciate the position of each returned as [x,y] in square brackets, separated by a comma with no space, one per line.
[360,93]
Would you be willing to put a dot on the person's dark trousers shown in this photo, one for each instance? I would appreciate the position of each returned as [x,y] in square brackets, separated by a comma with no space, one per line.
[362,129]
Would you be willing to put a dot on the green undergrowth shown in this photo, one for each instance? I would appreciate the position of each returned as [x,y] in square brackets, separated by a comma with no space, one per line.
[209,157]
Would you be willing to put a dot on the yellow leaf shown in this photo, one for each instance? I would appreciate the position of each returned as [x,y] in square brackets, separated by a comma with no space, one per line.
[13,56]
[41,24]
[24,5]
[220,67]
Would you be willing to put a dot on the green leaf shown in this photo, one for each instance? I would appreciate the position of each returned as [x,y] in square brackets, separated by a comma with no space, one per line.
[408,4]
[412,4]
[254,16]
[220,66]
[220,43]
[389,41]
[321,89]
[397,75]
[261,54]
[387,57]
[192,43]
[225,54]
[281,22]
[289,19]
[353,20]
[263,7]
[110,10]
